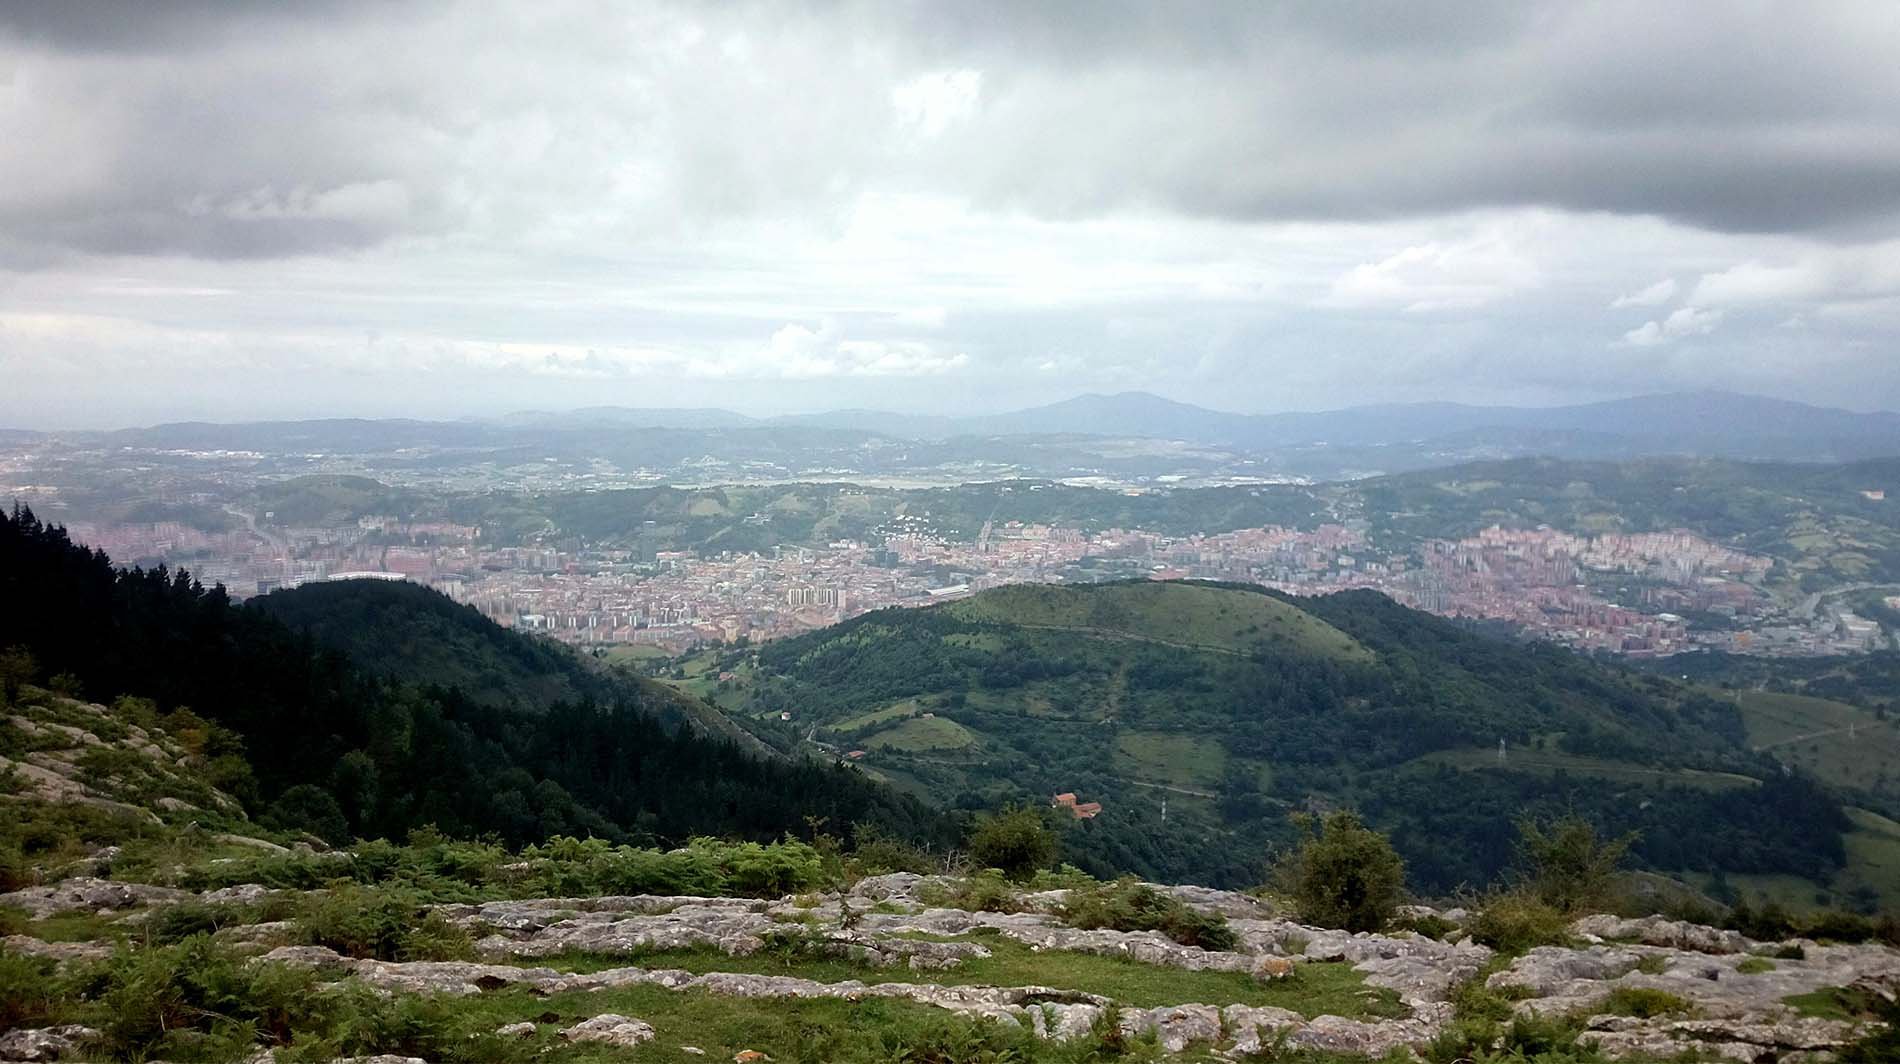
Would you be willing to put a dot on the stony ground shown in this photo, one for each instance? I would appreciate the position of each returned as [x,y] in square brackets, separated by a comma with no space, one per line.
[1396,992]
[683,978]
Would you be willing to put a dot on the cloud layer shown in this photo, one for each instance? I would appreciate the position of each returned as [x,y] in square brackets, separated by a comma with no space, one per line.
[858,203]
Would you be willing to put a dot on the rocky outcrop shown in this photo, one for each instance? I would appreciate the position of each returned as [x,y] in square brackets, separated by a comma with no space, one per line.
[86,894]
[1777,1040]
[610,1029]
[1661,931]
[1736,1002]
[61,952]
[45,1043]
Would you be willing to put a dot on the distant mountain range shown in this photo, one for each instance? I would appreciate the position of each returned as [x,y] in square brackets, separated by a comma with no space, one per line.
[1698,423]
[1334,444]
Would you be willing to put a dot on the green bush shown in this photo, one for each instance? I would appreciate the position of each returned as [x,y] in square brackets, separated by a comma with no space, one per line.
[1130,905]
[194,1001]
[175,923]
[880,853]
[359,921]
[1017,842]
[1343,874]
[14,871]
[29,996]
[1755,966]
[985,891]
[1772,923]
[1515,921]
[362,1023]
[1644,1003]
[1524,1040]
[1431,925]
[436,939]
[1473,1000]
[1567,865]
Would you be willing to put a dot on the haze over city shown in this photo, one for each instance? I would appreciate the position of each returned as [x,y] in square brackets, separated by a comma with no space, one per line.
[228,211]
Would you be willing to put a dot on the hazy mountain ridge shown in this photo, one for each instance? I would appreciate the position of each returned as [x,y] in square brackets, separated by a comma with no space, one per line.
[1709,422]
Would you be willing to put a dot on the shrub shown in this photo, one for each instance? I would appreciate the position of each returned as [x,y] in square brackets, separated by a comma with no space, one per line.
[195,1000]
[1018,842]
[981,892]
[1515,921]
[1644,1003]
[14,871]
[880,853]
[436,939]
[1881,1043]
[1344,875]
[1130,905]
[1431,925]
[28,994]
[1755,966]
[1474,1000]
[1772,923]
[359,921]
[175,923]
[1567,866]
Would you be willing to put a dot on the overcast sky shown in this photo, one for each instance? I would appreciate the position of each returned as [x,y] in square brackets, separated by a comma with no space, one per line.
[228,211]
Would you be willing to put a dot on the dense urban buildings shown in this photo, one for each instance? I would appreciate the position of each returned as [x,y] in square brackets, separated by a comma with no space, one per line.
[1642,594]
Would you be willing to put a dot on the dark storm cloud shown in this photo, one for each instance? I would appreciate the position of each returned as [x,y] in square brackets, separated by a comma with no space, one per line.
[1741,118]
[132,26]
[235,130]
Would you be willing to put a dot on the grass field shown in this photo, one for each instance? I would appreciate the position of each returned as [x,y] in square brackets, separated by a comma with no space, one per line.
[1188,614]
[1873,871]
[897,711]
[634,654]
[921,733]
[1171,757]
[1549,764]
[1837,742]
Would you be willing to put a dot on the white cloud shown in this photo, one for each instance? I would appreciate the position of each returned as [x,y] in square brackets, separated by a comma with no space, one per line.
[1828,274]
[1653,296]
[930,103]
[1435,276]
[797,351]
[1682,322]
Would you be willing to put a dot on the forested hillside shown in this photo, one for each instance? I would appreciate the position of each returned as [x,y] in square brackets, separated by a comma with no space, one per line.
[343,751]
[1236,706]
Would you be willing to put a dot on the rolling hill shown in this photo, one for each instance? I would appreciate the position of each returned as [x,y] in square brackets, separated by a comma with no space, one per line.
[1200,715]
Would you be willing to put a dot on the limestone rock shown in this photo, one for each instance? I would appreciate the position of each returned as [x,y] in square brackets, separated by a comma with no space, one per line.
[611,1029]
[1177,1026]
[1661,931]
[61,952]
[44,1043]
[241,894]
[86,894]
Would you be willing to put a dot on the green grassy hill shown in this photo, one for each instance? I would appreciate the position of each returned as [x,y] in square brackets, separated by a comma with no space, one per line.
[1199,715]
[1188,616]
